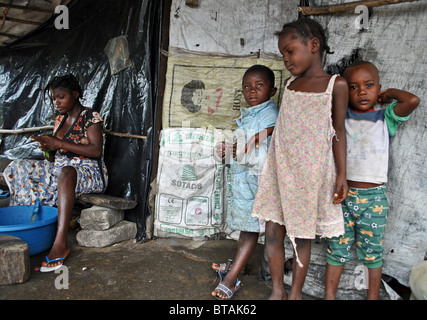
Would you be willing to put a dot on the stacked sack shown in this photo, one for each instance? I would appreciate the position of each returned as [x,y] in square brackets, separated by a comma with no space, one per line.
[190,182]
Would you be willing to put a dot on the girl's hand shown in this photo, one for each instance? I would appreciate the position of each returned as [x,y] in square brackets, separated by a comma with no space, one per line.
[341,190]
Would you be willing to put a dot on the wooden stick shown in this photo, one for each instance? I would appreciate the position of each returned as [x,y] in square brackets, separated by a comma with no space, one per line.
[124,135]
[5,11]
[350,6]
[24,130]
[35,129]
[36,23]
[8,34]
[192,3]
[25,8]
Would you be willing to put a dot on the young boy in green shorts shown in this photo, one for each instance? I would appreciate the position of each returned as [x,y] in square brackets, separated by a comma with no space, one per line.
[365,209]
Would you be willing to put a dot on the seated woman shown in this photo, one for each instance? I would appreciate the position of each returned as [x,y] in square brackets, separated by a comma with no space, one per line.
[74,166]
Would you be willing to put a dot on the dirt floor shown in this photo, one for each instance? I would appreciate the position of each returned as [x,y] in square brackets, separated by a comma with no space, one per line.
[173,277]
[160,269]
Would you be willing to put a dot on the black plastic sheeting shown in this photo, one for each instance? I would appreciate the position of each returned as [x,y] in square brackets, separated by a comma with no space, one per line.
[126,100]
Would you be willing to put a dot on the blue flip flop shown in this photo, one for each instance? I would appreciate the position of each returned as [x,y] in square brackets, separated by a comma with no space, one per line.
[229,293]
[49,269]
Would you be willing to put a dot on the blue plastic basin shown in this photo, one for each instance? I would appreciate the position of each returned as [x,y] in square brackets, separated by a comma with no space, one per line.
[35,227]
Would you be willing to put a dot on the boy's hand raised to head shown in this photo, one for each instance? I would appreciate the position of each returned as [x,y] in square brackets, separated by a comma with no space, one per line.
[406,101]
[383,97]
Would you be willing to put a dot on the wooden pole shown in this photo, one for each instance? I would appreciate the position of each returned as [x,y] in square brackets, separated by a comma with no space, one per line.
[349,6]
[24,130]
[125,135]
[192,3]
[35,129]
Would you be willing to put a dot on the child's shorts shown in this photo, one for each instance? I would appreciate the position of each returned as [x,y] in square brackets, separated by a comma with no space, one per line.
[365,216]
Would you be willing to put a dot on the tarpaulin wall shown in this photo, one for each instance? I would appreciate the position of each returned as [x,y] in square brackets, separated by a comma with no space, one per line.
[126,99]
[396,42]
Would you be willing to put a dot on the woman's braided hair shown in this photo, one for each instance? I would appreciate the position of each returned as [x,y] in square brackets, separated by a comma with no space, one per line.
[68,81]
[308,29]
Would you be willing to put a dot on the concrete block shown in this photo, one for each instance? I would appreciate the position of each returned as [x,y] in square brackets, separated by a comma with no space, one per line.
[100,218]
[123,230]
[104,200]
[14,260]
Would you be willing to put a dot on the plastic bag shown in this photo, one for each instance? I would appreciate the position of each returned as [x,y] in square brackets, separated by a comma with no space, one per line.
[117,51]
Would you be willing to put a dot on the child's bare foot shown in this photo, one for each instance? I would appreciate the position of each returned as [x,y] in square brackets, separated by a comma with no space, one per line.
[295,297]
[279,295]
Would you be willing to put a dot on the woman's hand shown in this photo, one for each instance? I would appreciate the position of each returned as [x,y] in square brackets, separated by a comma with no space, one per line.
[49,152]
[48,142]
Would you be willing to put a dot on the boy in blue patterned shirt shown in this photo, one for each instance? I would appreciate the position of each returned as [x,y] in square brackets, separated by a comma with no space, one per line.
[249,152]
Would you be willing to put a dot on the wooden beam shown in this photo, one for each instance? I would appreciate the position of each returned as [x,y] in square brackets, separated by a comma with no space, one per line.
[124,135]
[25,8]
[36,129]
[5,11]
[24,130]
[21,21]
[349,6]
[9,35]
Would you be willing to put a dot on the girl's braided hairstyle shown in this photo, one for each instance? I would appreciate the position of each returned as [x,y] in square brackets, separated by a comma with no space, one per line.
[68,82]
[308,29]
